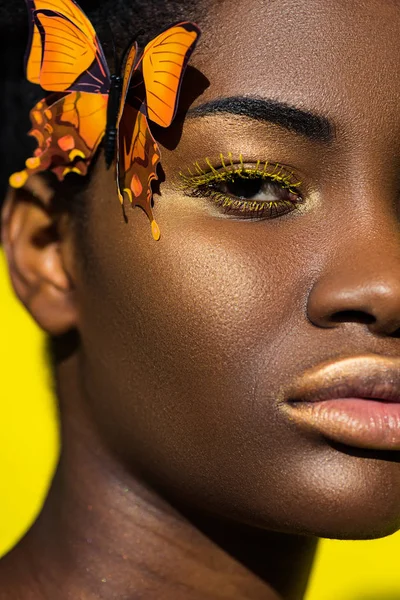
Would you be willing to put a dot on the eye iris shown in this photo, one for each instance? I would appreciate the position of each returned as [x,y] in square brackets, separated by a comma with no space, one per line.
[256,188]
[244,188]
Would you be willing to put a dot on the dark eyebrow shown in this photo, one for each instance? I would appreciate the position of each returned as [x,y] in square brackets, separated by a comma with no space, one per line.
[307,124]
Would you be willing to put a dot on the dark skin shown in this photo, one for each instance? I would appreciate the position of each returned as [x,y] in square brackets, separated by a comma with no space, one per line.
[181,477]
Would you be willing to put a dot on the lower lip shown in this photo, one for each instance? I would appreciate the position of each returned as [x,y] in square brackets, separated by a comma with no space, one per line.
[353,421]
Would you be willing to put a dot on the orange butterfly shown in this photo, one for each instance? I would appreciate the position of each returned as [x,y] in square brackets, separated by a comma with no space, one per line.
[65,58]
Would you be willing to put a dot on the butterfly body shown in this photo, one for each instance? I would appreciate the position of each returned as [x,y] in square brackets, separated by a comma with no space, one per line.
[113,106]
[88,105]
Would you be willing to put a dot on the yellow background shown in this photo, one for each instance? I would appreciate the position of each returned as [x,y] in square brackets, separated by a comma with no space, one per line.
[29,447]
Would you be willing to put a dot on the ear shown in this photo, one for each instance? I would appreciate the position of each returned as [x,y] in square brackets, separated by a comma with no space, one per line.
[37,242]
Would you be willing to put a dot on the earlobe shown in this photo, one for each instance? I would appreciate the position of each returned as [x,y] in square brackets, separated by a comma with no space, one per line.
[37,249]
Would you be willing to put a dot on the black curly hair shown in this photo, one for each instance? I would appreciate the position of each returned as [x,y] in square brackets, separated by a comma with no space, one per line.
[124,18]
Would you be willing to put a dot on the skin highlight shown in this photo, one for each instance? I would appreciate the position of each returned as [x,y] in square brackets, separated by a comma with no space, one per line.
[180,476]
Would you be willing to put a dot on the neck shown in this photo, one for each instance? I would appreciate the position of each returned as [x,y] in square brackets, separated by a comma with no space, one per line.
[104,533]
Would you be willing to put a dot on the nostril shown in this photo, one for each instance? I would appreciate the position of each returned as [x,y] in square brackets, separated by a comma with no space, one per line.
[353,316]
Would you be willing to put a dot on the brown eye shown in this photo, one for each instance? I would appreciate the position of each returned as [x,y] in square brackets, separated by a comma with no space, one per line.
[254,188]
[255,191]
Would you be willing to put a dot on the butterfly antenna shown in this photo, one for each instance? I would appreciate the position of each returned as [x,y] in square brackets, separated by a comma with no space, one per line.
[139,33]
[132,41]
[116,62]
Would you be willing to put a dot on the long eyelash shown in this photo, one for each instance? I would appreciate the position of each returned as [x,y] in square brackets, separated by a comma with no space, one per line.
[197,177]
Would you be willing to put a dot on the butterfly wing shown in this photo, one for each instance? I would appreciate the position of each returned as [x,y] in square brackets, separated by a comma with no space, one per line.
[64,56]
[138,157]
[68,130]
[34,51]
[137,152]
[64,53]
[163,65]
[123,132]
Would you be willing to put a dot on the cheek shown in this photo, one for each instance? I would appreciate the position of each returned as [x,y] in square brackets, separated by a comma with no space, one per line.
[203,311]
[183,353]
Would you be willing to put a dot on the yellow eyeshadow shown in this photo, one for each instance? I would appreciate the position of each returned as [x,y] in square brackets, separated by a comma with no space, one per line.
[197,176]
[204,181]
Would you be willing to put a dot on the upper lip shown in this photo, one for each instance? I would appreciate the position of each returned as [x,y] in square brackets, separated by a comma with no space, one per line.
[372,377]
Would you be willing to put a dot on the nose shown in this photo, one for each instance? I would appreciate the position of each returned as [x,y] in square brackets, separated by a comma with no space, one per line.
[361,284]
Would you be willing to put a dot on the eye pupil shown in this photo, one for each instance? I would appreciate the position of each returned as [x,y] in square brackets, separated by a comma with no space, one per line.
[244,188]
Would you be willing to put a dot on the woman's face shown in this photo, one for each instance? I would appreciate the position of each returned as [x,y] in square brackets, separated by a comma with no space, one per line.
[190,344]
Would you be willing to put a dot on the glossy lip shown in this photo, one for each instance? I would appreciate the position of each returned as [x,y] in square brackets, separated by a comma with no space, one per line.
[370,376]
[355,401]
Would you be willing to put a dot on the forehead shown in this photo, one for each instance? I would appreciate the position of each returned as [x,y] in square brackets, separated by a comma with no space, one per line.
[337,57]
